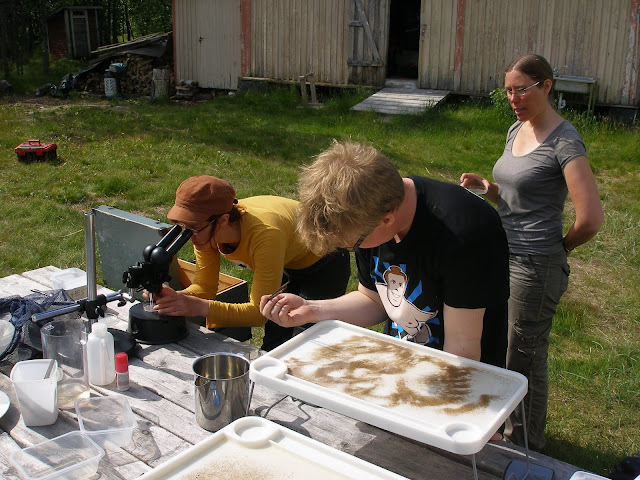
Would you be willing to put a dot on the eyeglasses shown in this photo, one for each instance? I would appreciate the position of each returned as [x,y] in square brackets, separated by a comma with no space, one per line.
[520,92]
[356,245]
[196,232]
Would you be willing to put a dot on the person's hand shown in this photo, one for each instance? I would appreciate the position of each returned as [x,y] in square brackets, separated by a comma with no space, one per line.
[474,182]
[286,309]
[170,302]
[166,290]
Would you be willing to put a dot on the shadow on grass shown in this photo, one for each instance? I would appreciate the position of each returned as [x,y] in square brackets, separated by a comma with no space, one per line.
[589,459]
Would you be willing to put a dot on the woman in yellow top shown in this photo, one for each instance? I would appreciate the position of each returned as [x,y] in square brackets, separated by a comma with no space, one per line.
[258,233]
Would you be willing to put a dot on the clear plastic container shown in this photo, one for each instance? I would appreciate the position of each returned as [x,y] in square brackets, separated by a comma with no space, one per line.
[109,421]
[72,456]
[64,341]
[73,280]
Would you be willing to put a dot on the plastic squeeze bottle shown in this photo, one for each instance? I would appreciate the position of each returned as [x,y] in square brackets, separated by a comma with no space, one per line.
[100,355]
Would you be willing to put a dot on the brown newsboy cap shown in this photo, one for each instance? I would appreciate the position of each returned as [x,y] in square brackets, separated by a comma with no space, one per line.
[200,198]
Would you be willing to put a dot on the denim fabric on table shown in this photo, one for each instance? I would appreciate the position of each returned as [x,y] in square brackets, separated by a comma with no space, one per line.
[537,283]
[27,333]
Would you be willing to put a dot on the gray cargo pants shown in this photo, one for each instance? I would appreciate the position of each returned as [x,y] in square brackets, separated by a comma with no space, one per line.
[537,283]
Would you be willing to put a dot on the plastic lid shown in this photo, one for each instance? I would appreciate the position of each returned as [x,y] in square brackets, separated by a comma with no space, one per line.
[122,362]
[100,329]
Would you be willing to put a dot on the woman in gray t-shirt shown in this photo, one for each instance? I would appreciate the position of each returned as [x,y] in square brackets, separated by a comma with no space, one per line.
[543,160]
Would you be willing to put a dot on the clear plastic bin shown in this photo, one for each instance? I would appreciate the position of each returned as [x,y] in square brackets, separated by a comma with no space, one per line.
[72,456]
[109,420]
[73,280]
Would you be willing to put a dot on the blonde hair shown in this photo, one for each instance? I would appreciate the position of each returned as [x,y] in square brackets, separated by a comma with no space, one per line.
[344,194]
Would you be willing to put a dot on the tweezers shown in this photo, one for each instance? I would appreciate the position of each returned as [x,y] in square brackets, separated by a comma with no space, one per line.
[278,291]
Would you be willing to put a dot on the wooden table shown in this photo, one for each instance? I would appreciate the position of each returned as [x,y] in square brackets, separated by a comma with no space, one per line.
[162,398]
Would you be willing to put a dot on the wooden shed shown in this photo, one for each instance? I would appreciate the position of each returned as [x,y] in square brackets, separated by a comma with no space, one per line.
[457,45]
[73,31]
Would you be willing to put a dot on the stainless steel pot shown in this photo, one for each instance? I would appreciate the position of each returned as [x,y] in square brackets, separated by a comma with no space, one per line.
[221,389]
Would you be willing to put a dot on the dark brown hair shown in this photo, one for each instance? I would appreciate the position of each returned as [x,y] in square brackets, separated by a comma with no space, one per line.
[534,66]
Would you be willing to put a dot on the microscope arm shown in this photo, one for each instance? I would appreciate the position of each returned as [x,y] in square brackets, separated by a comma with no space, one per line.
[154,271]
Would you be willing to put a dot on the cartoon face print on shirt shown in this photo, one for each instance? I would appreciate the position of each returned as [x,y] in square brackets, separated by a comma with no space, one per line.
[412,322]
[396,281]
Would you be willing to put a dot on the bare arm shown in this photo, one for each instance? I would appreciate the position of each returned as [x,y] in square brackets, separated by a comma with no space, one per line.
[463,331]
[586,200]
[362,308]
[468,180]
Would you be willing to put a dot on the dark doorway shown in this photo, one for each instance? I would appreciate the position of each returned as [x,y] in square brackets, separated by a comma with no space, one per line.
[404,39]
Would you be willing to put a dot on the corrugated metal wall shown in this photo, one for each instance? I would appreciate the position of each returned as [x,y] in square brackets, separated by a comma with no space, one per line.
[290,38]
[207,36]
[592,38]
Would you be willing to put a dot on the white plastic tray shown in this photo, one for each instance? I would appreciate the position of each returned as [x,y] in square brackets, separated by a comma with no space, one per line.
[253,447]
[586,476]
[419,392]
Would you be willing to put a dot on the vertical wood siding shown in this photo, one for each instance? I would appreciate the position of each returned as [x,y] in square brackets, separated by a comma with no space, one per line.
[290,38]
[592,38]
[207,36]
[465,45]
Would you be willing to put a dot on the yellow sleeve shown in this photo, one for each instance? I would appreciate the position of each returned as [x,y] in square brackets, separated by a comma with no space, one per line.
[266,252]
[205,284]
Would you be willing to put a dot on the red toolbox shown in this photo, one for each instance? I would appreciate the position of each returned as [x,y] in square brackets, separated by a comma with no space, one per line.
[35,150]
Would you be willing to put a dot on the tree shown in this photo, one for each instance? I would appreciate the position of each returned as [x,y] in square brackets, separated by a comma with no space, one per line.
[44,36]
[23,25]
[4,39]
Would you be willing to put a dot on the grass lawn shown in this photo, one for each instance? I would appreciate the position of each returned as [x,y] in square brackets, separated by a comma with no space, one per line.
[132,154]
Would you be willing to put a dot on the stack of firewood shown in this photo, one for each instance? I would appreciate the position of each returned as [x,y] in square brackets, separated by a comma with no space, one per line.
[186,90]
[136,81]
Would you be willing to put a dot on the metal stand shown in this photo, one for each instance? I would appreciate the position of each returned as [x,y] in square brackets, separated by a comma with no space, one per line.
[519,470]
[94,304]
[251,385]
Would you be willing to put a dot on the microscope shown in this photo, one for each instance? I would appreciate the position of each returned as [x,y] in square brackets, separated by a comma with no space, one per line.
[145,324]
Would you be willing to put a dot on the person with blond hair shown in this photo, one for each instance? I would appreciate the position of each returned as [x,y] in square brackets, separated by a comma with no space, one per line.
[446,243]
[257,233]
[544,159]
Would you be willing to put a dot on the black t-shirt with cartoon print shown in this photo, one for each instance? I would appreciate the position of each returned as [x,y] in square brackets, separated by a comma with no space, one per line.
[456,254]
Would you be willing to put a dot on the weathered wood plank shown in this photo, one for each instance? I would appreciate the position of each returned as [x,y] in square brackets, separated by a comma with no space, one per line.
[7,447]
[162,398]
[116,464]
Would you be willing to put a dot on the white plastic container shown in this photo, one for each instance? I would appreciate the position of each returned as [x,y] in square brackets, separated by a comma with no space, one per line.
[72,456]
[255,444]
[586,476]
[109,420]
[100,355]
[73,280]
[37,395]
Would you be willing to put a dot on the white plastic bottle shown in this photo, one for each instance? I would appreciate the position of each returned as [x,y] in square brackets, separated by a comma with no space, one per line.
[100,355]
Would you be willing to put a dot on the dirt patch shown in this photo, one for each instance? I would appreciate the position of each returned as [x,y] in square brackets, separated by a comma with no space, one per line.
[48,102]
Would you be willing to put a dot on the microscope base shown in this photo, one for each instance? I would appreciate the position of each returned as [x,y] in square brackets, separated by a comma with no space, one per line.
[154,329]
